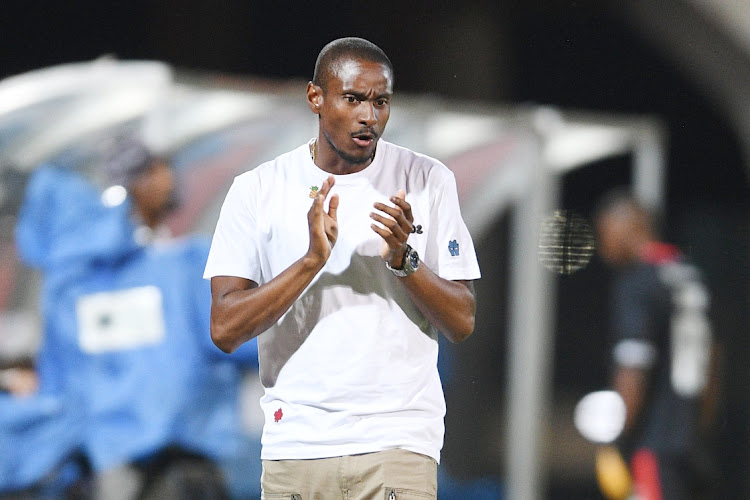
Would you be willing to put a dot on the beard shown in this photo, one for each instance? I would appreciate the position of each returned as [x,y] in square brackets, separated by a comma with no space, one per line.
[351,159]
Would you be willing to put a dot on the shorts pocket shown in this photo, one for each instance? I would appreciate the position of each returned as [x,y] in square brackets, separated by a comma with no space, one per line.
[407,494]
[280,496]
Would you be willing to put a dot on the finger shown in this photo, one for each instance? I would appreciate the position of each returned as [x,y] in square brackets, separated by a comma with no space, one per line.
[332,231]
[326,187]
[394,212]
[333,206]
[385,234]
[390,242]
[320,196]
[397,213]
[400,200]
[392,226]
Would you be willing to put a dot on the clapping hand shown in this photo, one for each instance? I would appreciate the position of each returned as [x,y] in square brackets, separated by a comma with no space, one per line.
[323,226]
[396,223]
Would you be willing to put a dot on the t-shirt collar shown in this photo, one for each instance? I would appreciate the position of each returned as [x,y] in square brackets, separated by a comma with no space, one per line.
[344,179]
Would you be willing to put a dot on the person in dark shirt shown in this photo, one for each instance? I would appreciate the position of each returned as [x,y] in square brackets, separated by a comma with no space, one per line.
[661,347]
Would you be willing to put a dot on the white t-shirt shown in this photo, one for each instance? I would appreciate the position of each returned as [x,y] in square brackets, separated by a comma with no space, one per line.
[352,366]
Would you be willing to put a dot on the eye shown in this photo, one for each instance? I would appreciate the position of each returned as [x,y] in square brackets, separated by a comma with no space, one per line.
[381,102]
[350,98]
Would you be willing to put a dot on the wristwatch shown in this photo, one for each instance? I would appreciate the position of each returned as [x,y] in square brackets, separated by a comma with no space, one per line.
[411,263]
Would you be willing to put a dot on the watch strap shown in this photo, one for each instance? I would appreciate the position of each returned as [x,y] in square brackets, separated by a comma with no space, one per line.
[410,259]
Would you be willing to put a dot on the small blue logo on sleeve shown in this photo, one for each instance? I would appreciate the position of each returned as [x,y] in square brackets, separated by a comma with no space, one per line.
[453,248]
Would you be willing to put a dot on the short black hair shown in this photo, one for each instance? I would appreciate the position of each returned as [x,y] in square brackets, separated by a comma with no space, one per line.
[616,199]
[126,157]
[348,47]
[621,199]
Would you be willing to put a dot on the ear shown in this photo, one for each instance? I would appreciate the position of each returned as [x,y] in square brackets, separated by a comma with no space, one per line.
[314,97]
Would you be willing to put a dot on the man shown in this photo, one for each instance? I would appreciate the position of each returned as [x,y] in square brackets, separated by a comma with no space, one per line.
[126,338]
[662,347]
[346,294]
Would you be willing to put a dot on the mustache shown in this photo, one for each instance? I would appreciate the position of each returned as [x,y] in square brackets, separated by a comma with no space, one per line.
[366,132]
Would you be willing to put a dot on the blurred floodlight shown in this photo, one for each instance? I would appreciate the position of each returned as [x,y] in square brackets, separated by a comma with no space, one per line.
[99,94]
[579,144]
[190,113]
[449,133]
[114,195]
[733,16]
[22,90]
[93,113]
[600,416]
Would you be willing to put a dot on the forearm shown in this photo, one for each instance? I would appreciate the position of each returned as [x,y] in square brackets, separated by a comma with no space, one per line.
[630,383]
[448,305]
[238,315]
[241,310]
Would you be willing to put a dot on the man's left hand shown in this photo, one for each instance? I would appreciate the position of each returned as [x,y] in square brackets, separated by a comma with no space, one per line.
[397,223]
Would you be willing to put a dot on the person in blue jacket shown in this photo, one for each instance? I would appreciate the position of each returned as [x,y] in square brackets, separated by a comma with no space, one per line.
[126,340]
[37,447]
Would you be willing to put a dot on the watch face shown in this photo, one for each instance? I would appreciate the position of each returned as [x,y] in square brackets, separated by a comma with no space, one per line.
[414,259]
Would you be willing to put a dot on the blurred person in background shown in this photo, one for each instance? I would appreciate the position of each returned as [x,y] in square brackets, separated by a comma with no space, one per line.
[39,438]
[38,448]
[345,257]
[126,330]
[662,350]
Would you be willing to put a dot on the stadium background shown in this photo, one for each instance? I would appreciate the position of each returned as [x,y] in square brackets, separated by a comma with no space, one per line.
[587,55]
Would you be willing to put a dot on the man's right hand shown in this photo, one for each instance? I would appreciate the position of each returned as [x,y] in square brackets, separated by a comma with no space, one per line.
[19,382]
[323,226]
[241,309]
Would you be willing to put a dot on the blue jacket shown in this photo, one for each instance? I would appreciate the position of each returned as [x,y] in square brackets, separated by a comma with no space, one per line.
[35,438]
[126,340]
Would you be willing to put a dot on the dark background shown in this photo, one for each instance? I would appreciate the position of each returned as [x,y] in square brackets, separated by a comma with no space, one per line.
[572,53]
[576,54]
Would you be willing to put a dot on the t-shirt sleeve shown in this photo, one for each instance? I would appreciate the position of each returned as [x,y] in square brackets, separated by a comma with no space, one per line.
[234,248]
[450,251]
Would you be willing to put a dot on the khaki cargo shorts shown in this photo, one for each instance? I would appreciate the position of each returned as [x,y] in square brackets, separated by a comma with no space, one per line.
[384,475]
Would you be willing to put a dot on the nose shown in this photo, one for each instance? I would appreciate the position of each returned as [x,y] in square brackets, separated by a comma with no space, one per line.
[164,175]
[367,113]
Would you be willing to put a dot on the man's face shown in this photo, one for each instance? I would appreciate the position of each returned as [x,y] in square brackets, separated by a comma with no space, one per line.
[612,235]
[153,190]
[355,107]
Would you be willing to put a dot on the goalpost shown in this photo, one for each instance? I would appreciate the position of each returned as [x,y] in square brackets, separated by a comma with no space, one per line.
[565,142]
